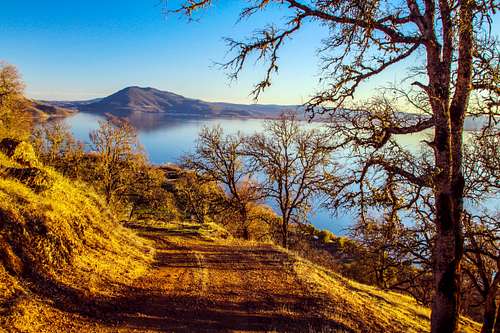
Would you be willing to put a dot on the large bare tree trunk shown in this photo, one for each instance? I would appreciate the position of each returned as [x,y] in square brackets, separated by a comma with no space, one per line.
[449,187]
[449,182]
[448,195]
[447,255]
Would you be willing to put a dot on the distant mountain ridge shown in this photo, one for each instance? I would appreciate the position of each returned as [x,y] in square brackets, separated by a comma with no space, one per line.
[133,100]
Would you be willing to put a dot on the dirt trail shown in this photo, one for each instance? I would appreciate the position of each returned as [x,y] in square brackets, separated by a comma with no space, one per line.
[202,286]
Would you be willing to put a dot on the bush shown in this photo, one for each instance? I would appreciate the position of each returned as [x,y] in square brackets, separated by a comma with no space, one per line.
[56,147]
[197,200]
[326,237]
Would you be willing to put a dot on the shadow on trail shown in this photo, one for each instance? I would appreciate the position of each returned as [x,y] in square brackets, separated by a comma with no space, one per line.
[186,231]
[142,308]
[196,314]
[226,258]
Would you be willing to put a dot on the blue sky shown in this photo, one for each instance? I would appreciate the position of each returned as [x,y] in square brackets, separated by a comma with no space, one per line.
[74,50]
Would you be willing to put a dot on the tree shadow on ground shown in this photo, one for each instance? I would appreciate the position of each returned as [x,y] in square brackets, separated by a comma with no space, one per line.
[139,309]
[145,308]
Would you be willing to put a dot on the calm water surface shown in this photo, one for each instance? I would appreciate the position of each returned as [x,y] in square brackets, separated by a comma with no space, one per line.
[166,139]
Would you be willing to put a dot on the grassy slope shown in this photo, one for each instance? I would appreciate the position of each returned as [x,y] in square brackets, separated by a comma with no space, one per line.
[63,241]
[61,238]
[366,308]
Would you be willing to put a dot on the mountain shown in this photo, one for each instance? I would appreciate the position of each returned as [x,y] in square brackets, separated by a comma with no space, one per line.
[137,103]
[134,100]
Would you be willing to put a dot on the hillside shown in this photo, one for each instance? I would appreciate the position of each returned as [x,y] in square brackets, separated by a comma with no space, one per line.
[42,111]
[149,100]
[66,265]
[58,242]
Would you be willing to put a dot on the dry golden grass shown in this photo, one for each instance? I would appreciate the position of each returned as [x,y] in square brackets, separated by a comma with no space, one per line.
[368,309]
[61,238]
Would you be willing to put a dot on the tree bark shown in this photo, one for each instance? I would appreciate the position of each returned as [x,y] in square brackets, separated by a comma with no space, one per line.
[244,221]
[449,181]
[447,255]
[448,247]
[284,234]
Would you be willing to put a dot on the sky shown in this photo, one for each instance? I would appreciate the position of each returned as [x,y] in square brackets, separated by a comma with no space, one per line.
[76,50]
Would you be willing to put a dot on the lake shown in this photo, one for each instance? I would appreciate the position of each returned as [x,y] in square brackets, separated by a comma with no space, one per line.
[165,139]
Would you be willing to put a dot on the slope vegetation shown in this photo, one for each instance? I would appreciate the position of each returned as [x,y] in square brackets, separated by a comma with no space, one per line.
[57,241]
[66,265]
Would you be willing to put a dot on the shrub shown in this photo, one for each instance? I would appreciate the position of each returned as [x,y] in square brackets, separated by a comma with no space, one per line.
[326,236]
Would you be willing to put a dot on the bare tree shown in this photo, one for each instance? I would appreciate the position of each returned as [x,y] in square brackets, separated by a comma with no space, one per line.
[414,243]
[457,59]
[11,84]
[219,158]
[200,200]
[482,165]
[118,153]
[56,146]
[296,162]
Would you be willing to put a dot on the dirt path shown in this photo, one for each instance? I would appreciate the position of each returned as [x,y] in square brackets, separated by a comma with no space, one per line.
[200,286]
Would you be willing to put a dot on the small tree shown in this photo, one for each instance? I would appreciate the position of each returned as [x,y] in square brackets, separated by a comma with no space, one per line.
[392,256]
[57,147]
[482,264]
[147,196]
[482,230]
[384,257]
[218,158]
[296,163]
[198,199]
[14,120]
[118,156]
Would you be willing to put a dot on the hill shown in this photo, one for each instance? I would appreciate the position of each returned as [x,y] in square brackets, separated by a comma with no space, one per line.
[132,100]
[41,111]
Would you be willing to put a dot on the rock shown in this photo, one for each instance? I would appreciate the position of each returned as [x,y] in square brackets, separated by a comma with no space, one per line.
[19,151]
[8,146]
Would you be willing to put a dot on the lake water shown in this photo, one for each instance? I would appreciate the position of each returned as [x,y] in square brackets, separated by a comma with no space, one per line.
[165,139]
